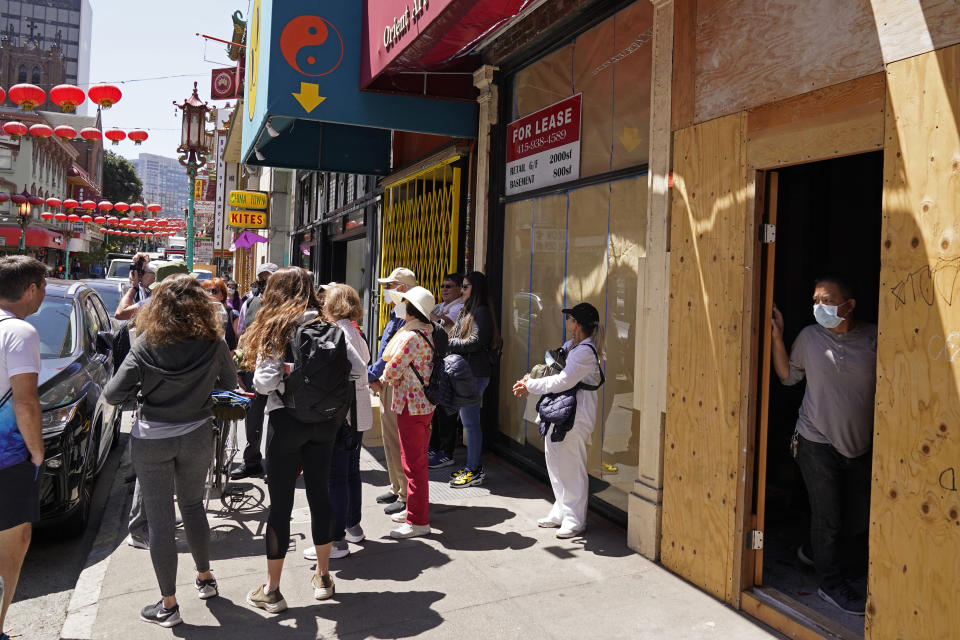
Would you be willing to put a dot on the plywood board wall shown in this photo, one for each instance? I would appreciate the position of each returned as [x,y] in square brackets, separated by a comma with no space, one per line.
[707,285]
[915,504]
[752,52]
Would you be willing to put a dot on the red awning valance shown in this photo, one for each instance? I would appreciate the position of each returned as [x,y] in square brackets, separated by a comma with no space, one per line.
[36,237]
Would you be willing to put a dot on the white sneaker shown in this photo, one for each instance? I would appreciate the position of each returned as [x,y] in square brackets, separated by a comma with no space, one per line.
[400,516]
[569,532]
[355,534]
[407,530]
[323,586]
[137,543]
[339,549]
[310,553]
[548,523]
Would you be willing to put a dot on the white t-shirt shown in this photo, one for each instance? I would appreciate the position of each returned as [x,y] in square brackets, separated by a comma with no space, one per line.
[451,310]
[19,354]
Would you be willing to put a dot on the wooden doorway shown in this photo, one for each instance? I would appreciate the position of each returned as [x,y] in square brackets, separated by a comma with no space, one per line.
[814,219]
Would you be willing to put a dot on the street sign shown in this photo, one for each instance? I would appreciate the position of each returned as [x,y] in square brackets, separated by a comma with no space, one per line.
[247,219]
[248,199]
[203,251]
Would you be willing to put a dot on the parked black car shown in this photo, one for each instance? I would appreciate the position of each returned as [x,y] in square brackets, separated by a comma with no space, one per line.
[110,291]
[79,428]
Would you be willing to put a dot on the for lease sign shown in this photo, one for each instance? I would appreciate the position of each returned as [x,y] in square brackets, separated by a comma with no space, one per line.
[543,148]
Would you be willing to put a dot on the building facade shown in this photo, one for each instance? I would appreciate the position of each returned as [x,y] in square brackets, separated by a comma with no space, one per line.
[43,25]
[165,182]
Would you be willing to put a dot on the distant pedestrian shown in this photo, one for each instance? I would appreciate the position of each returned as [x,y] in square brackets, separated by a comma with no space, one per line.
[566,453]
[409,365]
[217,289]
[474,336]
[176,362]
[233,296]
[443,435]
[22,288]
[290,303]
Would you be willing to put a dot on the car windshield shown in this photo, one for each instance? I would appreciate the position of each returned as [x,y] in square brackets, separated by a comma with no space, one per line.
[56,323]
[119,269]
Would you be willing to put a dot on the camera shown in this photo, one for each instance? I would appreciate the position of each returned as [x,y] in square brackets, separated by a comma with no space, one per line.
[139,265]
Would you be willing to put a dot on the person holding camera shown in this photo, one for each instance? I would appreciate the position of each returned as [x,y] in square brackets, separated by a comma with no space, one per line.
[142,275]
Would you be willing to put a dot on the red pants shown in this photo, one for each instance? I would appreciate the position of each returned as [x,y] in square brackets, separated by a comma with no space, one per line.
[414,436]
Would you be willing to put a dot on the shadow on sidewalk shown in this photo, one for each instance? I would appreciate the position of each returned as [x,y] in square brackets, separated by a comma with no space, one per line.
[385,614]
[408,559]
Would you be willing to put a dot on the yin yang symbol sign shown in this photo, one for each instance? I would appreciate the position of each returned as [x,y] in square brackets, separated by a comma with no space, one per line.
[311,45]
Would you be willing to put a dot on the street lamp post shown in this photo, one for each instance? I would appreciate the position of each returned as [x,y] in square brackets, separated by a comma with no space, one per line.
[23,218]
[193,150]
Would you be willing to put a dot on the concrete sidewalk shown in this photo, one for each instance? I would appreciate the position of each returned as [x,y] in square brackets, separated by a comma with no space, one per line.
[487,571]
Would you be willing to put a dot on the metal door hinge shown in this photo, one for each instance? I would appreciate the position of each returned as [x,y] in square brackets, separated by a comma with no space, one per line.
[755,540]
[768,234]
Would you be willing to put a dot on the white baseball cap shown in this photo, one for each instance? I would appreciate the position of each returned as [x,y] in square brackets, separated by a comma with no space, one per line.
[401,275]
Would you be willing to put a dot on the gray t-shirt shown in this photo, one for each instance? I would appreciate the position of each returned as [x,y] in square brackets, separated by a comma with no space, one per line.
[841,373]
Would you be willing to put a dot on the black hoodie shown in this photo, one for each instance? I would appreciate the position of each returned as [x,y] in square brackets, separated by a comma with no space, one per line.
[176,379]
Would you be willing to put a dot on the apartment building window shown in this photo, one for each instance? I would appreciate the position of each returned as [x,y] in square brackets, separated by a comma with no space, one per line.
[6,158]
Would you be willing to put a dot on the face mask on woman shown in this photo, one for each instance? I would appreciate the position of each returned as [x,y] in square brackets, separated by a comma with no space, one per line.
[827,315]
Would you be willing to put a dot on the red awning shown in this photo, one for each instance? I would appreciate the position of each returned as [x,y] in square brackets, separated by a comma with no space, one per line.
[443,45]
[36,237]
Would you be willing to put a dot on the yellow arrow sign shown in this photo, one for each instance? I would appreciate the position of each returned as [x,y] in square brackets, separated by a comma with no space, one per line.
[631,138]
[309,96]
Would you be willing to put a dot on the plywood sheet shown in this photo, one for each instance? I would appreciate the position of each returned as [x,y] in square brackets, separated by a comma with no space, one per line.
[684,62]
[707,285]
[915,504]
[840,120]
[752,52]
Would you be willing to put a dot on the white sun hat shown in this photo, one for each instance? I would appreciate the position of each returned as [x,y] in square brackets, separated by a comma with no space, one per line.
[420,298]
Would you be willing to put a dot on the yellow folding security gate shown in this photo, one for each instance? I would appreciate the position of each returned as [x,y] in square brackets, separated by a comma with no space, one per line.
[421,223]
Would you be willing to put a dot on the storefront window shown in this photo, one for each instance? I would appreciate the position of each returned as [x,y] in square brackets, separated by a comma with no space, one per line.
[584,244]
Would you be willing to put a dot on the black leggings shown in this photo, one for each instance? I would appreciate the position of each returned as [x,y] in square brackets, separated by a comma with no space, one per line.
[294,444]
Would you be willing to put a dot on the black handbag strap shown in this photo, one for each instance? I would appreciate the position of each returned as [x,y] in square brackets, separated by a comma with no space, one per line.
[593,387]
[415,372]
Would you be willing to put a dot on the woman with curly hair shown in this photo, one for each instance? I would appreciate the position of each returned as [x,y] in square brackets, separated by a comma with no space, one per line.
[289,301]
[177,360]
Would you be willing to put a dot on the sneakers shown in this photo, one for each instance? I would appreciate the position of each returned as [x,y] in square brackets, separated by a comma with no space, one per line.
[468,479]
[207,589]
[400,516]
[137,542]
[438,460]
[396,507]
[569,532]
[323,586]
[339,549]
[457,473]
[845,598]
[407,530]
[157,614]
[310,553]
[355,534]
[272,602]
[548,523]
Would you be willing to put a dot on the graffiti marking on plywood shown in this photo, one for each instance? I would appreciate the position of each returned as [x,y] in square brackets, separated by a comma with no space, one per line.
[927,283]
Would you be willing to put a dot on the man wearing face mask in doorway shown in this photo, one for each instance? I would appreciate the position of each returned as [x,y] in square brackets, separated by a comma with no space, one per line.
[252,454]
[399,281]
[838,358]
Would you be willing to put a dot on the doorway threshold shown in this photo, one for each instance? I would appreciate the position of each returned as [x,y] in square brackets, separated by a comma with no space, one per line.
[792,618]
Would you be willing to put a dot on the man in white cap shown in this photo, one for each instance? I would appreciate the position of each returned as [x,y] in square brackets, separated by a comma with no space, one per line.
[253,425]
[399,280]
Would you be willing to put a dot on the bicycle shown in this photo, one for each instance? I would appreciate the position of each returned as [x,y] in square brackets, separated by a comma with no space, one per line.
[228,408]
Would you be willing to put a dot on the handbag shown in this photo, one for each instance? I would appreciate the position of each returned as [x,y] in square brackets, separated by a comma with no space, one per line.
[559,410]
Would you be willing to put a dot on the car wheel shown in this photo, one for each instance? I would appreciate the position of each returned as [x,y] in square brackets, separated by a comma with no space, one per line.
[76,524]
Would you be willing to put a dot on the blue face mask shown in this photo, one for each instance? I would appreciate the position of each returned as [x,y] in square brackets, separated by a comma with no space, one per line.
[827,315]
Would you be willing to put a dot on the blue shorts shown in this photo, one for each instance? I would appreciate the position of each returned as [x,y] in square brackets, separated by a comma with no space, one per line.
[20,497]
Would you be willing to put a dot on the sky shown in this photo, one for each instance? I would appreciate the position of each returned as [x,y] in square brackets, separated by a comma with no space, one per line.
[133,39]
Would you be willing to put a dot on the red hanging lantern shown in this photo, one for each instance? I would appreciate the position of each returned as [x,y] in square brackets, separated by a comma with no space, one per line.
[112,220]
[70,203]
[65,132]
[88,204]
[18,198]
[138,136]
[53,202]
[137,207]
[105,205]
[90,134]
[73,217]
[67,97]
[15,129]
[141,233]
[4,197]
[154,207]
[35,200]
[27,96]
[46,215]
[122,207]
[136,221]
[105,95]
[100,220]
[86,218]
[115,135]
[152,222]
[3,95]
[60,217]
[41,130]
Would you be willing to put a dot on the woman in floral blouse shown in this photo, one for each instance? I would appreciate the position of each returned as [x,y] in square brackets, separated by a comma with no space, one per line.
[412,349]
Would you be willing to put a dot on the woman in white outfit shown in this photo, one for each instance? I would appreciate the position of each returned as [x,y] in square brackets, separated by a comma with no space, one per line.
[567,459]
